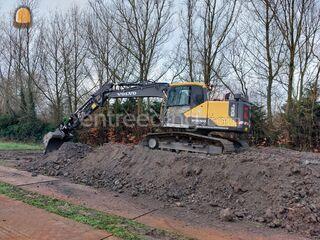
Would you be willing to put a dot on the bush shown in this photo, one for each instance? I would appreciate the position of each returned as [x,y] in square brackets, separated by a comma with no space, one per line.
[23,129]
[299,130]
[263,133]
[303,125]
[7,121]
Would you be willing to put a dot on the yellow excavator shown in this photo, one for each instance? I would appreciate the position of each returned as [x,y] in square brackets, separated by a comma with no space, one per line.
[190,121]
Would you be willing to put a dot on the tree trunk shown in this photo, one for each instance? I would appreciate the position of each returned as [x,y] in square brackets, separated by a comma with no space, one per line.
[269,100]
[269,60]
[290,82]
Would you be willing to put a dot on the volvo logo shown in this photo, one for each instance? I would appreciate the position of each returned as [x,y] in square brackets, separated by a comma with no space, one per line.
[126,94]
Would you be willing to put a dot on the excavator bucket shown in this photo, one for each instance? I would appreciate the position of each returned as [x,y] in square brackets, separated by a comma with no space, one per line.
[53,140]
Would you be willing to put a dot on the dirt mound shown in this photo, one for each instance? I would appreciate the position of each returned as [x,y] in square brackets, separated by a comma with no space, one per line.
[55,163]
[277,187]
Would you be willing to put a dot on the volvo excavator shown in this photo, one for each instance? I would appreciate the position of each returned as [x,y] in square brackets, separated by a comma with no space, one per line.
[190,120]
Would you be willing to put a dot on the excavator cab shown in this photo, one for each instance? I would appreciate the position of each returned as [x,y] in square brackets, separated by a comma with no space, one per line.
[182,98]
[188,106]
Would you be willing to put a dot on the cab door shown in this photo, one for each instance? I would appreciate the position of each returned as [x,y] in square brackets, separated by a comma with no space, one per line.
[199,107]
[178,103]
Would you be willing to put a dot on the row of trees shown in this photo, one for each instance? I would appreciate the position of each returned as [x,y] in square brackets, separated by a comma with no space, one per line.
[267,49]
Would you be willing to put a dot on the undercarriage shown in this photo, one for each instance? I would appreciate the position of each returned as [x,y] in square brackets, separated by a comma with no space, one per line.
[197,142]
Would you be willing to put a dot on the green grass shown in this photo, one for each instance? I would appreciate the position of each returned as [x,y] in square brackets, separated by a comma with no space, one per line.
[118,226]
[14,146]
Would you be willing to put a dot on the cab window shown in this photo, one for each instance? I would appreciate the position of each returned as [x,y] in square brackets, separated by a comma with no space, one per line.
[197,96]
[179,96]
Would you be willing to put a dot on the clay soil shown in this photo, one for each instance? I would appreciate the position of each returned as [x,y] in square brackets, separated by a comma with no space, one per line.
[279,188]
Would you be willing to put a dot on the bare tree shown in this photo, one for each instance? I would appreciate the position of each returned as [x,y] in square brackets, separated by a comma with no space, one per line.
[268,50]
[74,55]
[147,23]
[188,29]
[20,62]
[51,83]
[217,21]
[290,19]
[306,47]
[8,84]
[141,27]
[206,27]
[111,61]
[29,57]
[237,60]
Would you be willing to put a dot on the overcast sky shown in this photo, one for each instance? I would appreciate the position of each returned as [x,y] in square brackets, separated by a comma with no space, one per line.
[45,6]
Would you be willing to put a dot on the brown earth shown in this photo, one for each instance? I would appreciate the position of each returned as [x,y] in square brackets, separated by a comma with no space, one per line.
[12,158]
[141,209]
[276,187]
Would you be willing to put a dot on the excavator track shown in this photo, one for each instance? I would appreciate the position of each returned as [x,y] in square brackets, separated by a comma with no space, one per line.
[191,142]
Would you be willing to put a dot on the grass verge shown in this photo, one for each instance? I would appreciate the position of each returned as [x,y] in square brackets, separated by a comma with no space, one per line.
[10,146]
[118,226]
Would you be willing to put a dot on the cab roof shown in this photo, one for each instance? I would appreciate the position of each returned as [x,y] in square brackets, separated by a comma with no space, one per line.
[199,84]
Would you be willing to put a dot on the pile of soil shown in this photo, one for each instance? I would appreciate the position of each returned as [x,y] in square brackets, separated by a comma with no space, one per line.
[56,163]
[276,187]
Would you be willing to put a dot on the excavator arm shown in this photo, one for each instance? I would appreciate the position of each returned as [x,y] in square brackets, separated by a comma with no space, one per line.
[63,133]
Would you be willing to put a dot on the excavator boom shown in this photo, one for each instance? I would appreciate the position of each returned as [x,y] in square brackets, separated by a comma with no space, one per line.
[53,140]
